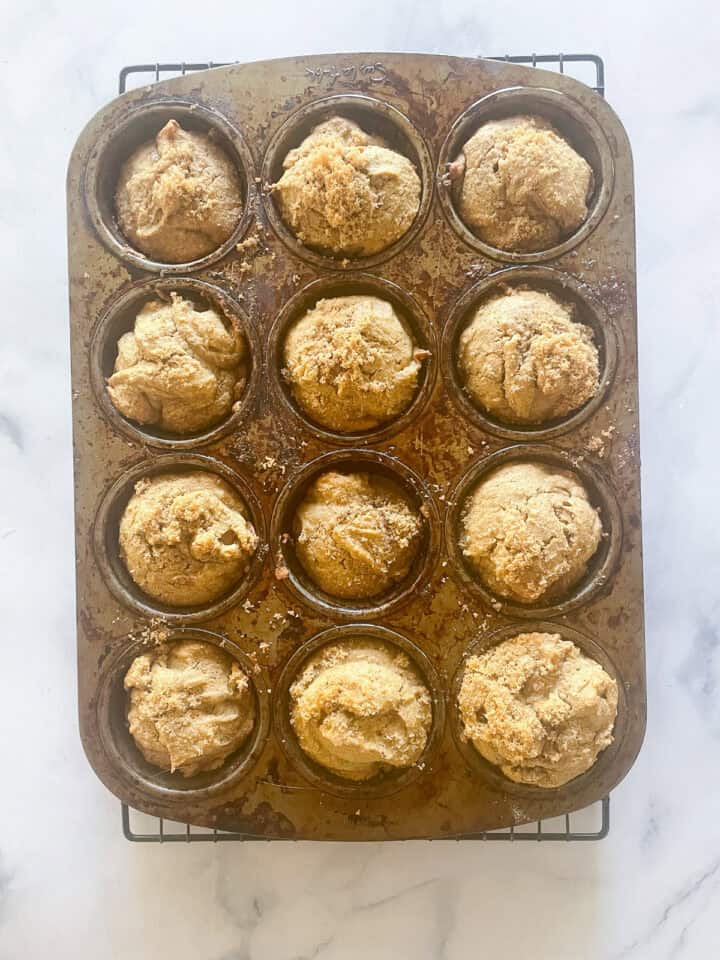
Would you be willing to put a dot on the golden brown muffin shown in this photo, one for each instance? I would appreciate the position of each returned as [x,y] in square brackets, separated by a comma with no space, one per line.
[179,196]
[185,539]
[190,706]
[538,708]
[346,192]
[180,368]
[356,534]
[360,708]
[525,360]
[529,530]
[520,185]
[351,363]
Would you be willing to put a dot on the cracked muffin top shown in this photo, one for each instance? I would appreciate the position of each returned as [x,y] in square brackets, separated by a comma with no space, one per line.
[520,186]
[190,706]
[184,537]
[360,708]
[356,534]
[179,196]
[530,530]
[346,192]
[537,707]
[179,368]
[525,359]
[351,363]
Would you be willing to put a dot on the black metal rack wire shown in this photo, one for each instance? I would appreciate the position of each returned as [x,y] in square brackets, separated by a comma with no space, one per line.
[161,830]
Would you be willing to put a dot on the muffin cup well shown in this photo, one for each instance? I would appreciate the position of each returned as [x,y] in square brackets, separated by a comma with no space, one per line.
[571,120]
[601,566]
[119,142]
[411,315]
[375,117]
[289,569]
[107,547]
[493,774]
[386,783]
[111,713]
[587,311]
[119,318]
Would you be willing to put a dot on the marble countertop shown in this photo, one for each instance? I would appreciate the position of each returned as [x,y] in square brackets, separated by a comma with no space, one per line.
[70,885]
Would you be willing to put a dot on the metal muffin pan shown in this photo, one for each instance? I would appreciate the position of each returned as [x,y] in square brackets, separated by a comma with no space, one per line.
[426,106]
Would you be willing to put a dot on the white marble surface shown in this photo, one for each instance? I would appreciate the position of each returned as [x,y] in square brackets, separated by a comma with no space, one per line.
[70,886]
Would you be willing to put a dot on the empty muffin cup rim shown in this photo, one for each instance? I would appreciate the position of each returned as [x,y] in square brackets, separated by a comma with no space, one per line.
[413,316]
[277,150]
[108,230]
[600,493]
[291,496]
[104,330]
[471,119]
[153,781]
[106,525]
[555,281]
[384,784]
[491,772]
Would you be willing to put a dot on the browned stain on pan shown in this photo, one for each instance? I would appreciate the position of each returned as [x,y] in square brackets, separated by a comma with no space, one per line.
[267,447]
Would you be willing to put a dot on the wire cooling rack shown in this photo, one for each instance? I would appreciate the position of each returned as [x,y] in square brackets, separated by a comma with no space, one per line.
[590,824]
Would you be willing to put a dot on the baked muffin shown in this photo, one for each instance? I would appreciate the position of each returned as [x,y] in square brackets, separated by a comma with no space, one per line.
[356,534]
[538,708]
[346,192]
[179,196]
[520,186]
[185,539]
[360,708]
[190,706]
[530,530]
[351,363]
[525,360]
[179,368]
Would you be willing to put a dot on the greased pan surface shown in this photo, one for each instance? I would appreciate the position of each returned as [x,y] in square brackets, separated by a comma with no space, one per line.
[426,106]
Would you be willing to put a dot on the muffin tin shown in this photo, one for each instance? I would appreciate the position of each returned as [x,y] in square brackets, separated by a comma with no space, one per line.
[261,279]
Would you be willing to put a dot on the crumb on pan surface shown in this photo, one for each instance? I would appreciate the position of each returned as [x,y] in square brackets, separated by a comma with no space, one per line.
[190,706]
[356,534]
[351,363]
[537,707]
[360,708]
[184,537]
[526,360]
[179,196]
[520,186]
[530,530]
[347,192]
[180,368]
